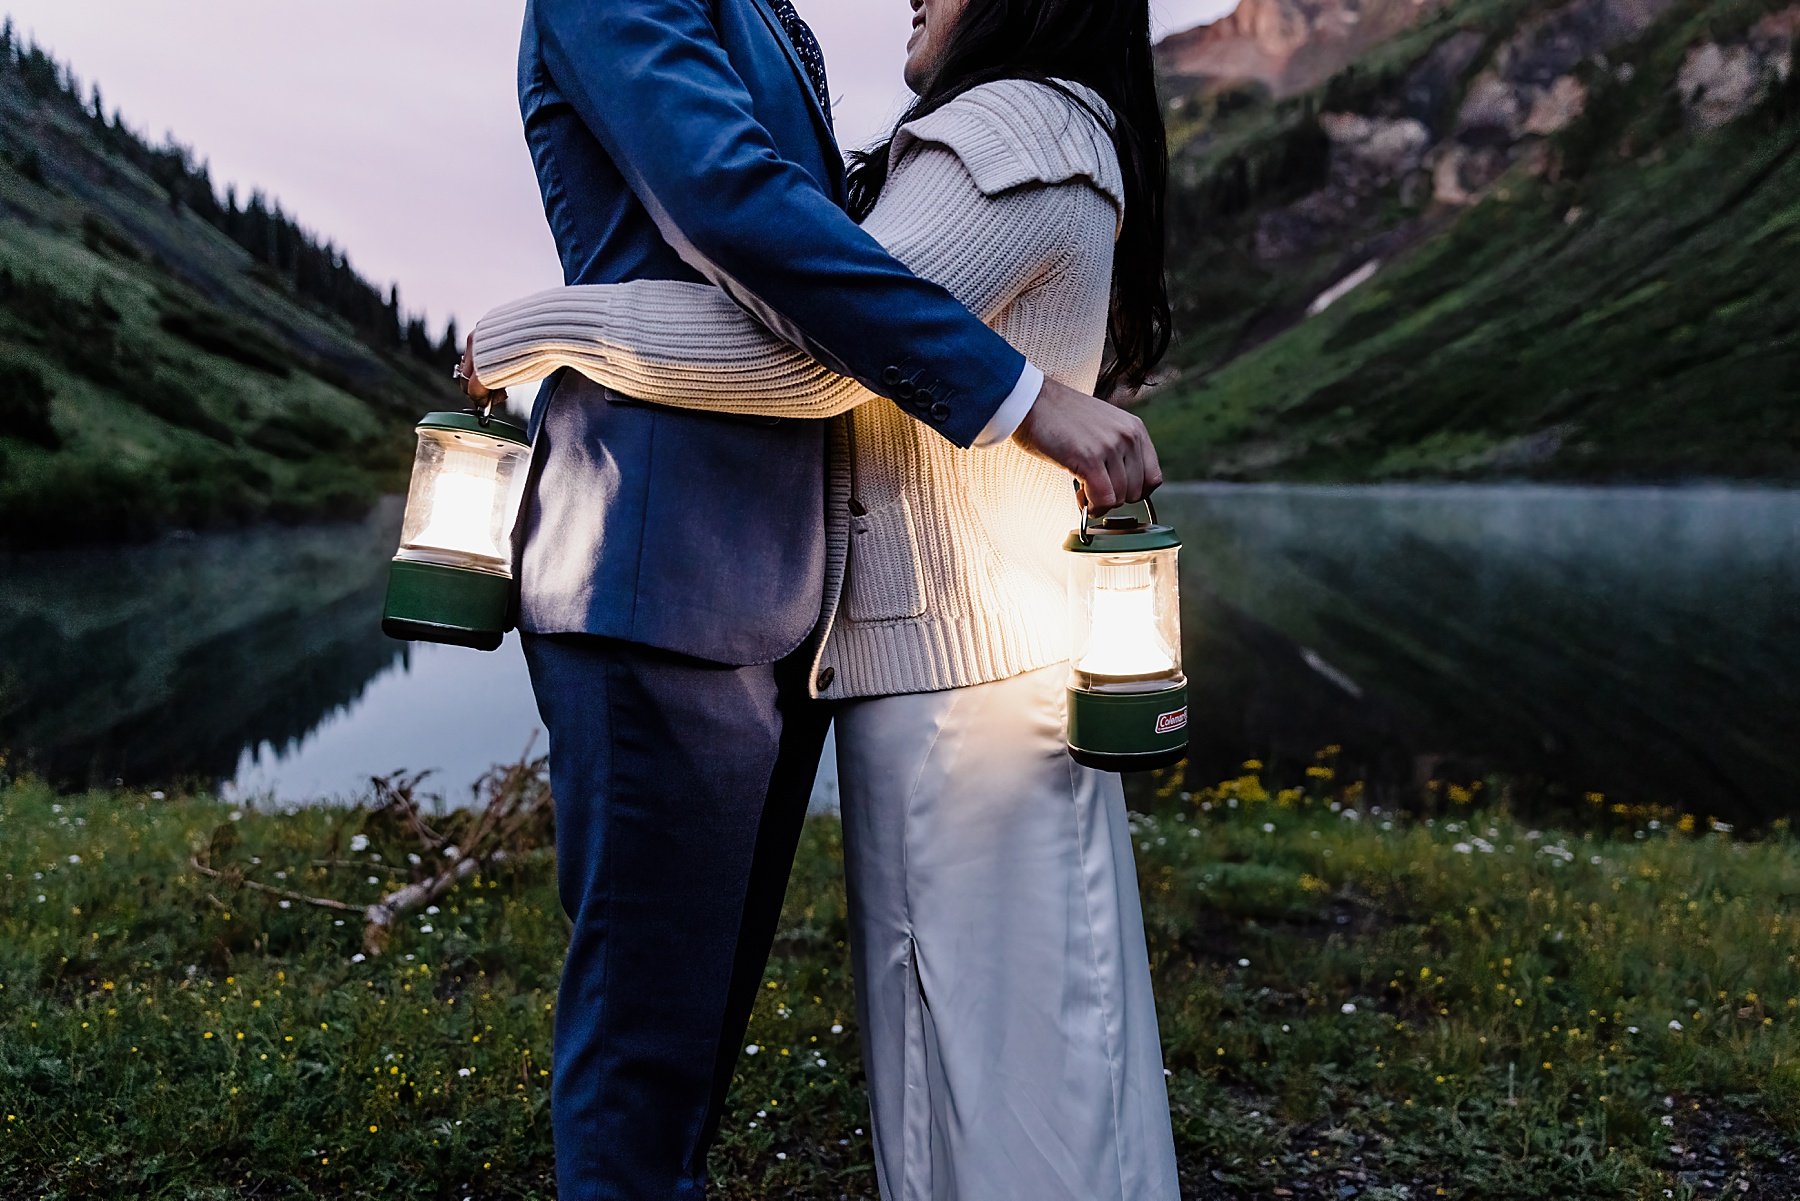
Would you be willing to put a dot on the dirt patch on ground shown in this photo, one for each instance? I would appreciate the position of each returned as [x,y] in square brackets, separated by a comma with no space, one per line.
[1720,1150]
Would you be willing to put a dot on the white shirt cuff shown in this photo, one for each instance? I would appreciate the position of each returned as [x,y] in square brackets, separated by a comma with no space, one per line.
[1012,410]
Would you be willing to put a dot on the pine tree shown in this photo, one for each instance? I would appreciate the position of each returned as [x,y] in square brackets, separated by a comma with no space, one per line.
[418,342]
[7,43]
[98,107]
[390,324]
[38,72]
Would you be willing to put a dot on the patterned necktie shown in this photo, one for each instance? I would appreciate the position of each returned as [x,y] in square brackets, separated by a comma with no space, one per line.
[807,46]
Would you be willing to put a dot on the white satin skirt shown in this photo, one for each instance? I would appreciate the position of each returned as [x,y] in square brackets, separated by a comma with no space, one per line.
[1003,986]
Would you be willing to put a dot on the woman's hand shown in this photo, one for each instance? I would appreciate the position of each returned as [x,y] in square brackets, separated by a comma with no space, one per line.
[1106,449]
[471,384]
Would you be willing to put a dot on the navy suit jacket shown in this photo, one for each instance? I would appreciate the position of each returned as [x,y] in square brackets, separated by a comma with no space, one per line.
[679,139]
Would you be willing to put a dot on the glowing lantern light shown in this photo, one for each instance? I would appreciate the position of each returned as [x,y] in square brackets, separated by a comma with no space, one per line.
[451,580]
[1127,696]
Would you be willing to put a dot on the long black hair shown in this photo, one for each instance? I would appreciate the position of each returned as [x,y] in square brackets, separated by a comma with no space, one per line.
[1104,44]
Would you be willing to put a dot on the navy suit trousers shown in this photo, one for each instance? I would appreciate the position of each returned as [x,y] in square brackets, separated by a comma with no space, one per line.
[681,788]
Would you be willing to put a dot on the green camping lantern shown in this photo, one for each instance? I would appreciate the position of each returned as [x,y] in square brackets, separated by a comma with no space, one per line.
[1127,696]
[452,578]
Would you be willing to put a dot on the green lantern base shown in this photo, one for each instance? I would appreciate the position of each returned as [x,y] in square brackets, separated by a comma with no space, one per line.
[1134,731]
[428,602]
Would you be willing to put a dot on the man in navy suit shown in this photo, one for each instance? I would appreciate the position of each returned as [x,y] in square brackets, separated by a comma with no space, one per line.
[672,562]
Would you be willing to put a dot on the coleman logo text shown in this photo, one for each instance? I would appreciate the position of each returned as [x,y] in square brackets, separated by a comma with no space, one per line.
[1169,722]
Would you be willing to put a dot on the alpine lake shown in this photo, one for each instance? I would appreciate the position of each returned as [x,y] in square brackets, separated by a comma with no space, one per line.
[1638,643]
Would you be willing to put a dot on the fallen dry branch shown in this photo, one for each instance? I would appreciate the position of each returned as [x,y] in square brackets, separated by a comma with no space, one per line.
[236,877]
[378,919]
[515,817]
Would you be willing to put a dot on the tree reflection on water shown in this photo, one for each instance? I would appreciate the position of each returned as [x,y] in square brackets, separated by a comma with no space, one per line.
[164,661]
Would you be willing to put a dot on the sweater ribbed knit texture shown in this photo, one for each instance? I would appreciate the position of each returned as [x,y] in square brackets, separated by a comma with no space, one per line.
[945,564]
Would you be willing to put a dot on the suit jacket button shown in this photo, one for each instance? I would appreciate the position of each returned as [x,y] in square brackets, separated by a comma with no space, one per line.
[826,677]
[925,396]
[940,412]
[906,389]
[891,376]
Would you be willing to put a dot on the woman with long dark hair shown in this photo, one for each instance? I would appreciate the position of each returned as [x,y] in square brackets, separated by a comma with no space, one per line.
[1003,985]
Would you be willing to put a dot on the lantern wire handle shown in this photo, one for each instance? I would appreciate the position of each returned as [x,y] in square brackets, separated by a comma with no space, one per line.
[1084,532]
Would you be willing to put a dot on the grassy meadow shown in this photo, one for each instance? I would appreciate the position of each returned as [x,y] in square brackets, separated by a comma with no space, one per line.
[1355,1003]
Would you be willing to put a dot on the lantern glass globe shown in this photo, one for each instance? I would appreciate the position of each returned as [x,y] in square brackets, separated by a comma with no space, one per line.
[463,500]
[1126,613]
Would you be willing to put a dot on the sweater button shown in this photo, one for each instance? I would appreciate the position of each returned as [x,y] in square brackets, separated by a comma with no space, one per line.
[826,677]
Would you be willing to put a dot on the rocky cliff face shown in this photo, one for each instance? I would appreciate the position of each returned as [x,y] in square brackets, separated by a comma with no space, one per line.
[1416,139]
[1284,46]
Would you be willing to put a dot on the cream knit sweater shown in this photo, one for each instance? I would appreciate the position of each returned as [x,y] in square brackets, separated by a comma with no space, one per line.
[946,567]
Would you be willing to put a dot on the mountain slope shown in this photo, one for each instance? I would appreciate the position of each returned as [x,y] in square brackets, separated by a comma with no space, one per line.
[154,372]
[1283,46]
[1534,239]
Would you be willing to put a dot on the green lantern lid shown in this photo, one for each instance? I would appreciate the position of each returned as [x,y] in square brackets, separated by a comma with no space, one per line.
[1122,535]
[466,422]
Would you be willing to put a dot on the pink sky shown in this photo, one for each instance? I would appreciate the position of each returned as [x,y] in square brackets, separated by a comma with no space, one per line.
[391,126]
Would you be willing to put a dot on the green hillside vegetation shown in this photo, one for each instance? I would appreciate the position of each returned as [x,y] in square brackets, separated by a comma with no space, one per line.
[169,357]
[1620,302]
